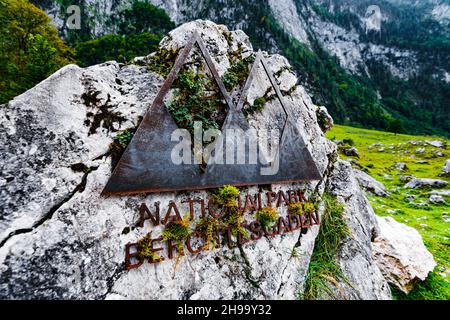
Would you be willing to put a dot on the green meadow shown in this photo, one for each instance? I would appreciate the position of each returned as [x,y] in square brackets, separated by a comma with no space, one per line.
[378,152]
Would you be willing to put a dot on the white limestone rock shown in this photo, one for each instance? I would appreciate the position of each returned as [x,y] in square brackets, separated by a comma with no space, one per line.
[400,166]
[370,184]
[401,255]
[421,183]
[437,199]
[286,13]
[445,192]
[49,128]
[436,143]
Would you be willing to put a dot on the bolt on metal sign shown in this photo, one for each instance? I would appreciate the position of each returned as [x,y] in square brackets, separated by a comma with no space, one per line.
[147,164]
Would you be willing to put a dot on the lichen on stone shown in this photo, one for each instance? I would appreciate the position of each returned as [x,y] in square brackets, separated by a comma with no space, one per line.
[100,113]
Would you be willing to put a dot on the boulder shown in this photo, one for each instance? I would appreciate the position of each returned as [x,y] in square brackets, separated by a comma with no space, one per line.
[445,217]
[445,192]
[401,255]
[437,154]
[446,168]
[404,178]
[350,152]
[420,150]
[60,239]
[436,143]
[421,183]
[400,166]
[436,199]
[369,184]
[377,144]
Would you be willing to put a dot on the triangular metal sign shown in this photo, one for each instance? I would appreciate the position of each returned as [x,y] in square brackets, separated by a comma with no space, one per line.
[146,166]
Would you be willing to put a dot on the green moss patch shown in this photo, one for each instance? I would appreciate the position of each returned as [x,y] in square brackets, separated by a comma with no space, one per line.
[197,99]
[267,217]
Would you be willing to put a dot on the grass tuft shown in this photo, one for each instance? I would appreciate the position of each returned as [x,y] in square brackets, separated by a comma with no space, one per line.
[323,267]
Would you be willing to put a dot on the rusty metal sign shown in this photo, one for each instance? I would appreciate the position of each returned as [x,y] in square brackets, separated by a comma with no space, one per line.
[146,164]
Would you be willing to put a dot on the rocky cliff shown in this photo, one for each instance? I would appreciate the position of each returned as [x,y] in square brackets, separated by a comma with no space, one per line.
[59,238]
[304,20]
[359,46]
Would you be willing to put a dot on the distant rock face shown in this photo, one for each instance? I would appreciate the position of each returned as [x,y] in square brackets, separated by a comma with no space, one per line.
[60,239]
[420,183]
[401,254]
[370,184]
[299,19]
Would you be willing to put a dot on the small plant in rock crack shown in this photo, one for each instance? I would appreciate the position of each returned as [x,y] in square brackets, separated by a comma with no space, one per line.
[119,144]
[145,249]
[309,207]
[227,198]
[267,217]
[124,137]
[196,98]
[324,270]
[177,230]
[238,73]
[296,208]
[209,227]
[233,219]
